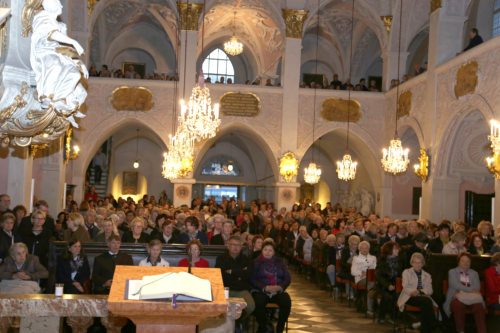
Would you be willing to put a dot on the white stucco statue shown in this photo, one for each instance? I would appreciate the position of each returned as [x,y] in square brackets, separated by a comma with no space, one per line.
[366,202]
[55,59]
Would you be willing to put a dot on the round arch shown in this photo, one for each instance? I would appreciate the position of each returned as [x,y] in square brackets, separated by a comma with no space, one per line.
[237,127]
[412,123]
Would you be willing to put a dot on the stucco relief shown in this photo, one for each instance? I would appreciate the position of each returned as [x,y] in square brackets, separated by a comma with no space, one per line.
[466,79]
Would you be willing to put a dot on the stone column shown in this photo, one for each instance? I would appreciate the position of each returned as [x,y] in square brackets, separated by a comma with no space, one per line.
[53,172]
[383,197]
[390,66]
[20,175]
[183,191]
[189,15]
[286,194]
[294,20]
[441,199]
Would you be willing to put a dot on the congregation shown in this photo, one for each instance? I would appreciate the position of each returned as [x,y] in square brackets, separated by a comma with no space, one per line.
[377,262]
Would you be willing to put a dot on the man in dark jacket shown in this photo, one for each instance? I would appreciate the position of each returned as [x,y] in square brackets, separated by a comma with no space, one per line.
[104,265]
[474,39]
[236,271]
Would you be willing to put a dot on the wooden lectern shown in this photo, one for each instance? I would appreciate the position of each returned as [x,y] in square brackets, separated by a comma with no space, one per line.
[160,316]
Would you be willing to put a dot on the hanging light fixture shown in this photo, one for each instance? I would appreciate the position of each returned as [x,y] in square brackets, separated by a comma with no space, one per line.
[233,46]
[289,166]
[136,162]
[199,117]
[346,169]
[312,173]
[395,158]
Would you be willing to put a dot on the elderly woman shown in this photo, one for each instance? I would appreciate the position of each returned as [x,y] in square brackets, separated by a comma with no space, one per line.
[76,231]
[154,258]
[269,280]
[417,291]
[23,269]
[456,245]
[492,283]
[463,294]
[73,269]
[108,229]
[193,249]
[485,230]
[388,269]
[136,233]
[347,255]
[304,244]
[360,265]
[7,234]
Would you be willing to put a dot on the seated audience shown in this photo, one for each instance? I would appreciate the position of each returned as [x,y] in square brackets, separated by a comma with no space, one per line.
[464,294]
[476,245]
[330,258]
[306,244]
[168,235]
[348,253]
[136,233]
[223,237]
[73,269]
[437,244]
[37,238]
[21,271]
[104,265]
[154,255]
[7,235]
[456,245]
[485,229]
[270,288]
[360,265]
[193,231]
[193,249]
[388,269]
[108,229]
[257,242]
[417,291]
[75,231]
[236,270]
[492,283]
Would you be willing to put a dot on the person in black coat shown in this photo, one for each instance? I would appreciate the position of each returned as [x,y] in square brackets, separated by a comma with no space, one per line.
[104,265]
[474,39]
[37,238]
[193,232]
[388,269]
[136,233]
[168,235]
[7,235]
[436,245]
[49,225]
[73,269]
[223,237]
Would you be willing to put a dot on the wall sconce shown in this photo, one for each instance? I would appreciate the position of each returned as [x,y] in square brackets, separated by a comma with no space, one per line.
[422,168]
[494,136]
[493,164]
[289,166]
[71,152]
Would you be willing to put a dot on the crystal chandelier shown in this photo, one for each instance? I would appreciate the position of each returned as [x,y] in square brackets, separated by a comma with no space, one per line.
[198,116]
[312,173]
[346,169]
[395,158]
[288,166]
[233,46]
[178,161]
[494,137]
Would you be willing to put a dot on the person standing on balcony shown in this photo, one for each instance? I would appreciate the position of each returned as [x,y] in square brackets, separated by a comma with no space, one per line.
[474,39]
[100,165]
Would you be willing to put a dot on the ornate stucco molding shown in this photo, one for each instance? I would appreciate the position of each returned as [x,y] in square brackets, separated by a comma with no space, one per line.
[335,109]
[404,106]
[294,21]
[467,79]
[189,15]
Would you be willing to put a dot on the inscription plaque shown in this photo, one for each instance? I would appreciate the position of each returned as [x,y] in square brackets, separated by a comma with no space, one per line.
[240,104]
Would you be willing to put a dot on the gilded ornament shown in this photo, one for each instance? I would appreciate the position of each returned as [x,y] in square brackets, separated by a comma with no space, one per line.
[18,103]
[387,19]
[240,104]
[294,21]
[467,79]
[90,6]
[435,4]
[37,148]
[4,17]
[189,15]
[422,168]
[335,109]
[404,105]
[132,99]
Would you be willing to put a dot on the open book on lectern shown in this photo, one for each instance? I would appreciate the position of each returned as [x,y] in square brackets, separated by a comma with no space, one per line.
[182,285]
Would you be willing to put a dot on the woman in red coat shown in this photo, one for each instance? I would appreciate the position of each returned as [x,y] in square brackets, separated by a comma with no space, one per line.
[492,283]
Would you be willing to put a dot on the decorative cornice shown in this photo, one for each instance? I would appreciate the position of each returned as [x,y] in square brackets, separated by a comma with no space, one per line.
[294,21]
[189,15]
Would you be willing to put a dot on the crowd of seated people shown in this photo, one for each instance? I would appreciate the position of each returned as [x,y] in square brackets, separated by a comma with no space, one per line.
[130,73]
[360,257]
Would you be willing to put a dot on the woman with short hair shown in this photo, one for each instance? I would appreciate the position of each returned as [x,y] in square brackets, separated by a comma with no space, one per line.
[7,234]
[194,259]
[73,269]
[154,258]
[76,231]
[456,245]
[464,294]
[136,233]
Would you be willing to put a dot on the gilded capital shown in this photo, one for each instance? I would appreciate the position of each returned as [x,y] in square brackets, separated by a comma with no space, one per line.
[294,21]
[189,15]
[435,4]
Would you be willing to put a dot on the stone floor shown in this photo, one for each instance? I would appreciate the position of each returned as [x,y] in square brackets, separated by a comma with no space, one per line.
[314,310]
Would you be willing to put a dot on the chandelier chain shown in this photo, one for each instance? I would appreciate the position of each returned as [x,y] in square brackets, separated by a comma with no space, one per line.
[399,64]
[350,78]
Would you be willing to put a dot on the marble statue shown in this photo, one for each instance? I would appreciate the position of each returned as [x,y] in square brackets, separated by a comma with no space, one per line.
[55,60]
[366,202]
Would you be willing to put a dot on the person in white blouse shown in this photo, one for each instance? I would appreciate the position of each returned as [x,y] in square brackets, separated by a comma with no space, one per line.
[154,258]
[360,265]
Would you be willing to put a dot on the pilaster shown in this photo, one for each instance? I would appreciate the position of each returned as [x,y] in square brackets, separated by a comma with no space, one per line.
[20,176]
[286,195]
[183,191]
[441,199]
[53,171]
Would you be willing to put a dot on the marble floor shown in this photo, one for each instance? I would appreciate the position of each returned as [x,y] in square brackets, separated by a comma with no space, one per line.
[314,310]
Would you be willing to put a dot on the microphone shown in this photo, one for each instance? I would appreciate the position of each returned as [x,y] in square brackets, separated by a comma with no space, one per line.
[189,263]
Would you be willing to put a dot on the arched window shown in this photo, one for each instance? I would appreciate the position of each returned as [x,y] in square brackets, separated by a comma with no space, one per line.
[217,64]
[496,19]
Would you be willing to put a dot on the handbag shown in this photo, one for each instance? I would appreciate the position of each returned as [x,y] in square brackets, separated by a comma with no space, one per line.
[469,298]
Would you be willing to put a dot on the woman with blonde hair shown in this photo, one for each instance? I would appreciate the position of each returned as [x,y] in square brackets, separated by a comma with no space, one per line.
[76,231]
[456,245]
[108,228]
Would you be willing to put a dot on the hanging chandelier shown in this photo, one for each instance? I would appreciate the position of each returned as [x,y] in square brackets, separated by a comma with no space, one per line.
[346,169]
[312,173]
[288,166]
[395,158]
[494,136]
[233,46]
[178,161]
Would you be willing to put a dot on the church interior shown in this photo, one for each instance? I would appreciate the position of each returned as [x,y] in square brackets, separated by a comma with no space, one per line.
[383,111]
